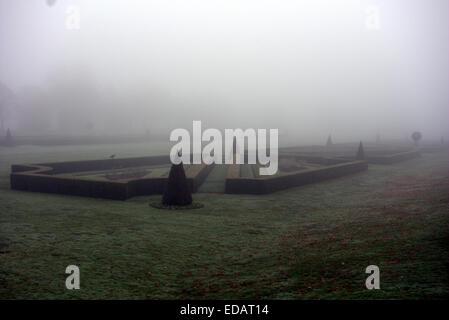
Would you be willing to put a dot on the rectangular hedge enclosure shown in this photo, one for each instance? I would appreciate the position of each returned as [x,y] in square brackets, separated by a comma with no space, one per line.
[393,158]
[330,168]
[58,177]
[124,178]
[374,153]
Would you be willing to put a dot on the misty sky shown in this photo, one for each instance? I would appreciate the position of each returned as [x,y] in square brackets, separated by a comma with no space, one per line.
[309,68]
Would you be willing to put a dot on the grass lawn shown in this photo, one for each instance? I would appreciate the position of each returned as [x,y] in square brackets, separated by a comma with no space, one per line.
[310,242]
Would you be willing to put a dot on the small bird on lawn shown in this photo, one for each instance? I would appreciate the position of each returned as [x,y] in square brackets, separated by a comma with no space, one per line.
[112,156]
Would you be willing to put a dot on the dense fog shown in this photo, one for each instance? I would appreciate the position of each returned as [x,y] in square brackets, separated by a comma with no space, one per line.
[353,69]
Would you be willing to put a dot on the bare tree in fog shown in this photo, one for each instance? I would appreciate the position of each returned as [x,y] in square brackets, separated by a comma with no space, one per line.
[7,102]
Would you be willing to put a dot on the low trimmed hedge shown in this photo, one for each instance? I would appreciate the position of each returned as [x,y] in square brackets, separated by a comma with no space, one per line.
[269,184]
[41,178]
[393,158]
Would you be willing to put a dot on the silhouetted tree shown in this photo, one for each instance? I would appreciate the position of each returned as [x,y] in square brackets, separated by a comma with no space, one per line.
[8,138]
[50,3]
[360,153]
[177,191]
[8,100]
[8,135]
[416,136]
[329,141]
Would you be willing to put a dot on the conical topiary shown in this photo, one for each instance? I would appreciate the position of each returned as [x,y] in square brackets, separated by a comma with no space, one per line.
[177,191]
[234,151]
[234,146]
[8,135]
[360,153]
[378,138]
[8,138]
[329,141]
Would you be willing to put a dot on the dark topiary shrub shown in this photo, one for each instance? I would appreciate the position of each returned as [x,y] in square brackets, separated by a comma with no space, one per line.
[177,191]
[194,205]
[360,153]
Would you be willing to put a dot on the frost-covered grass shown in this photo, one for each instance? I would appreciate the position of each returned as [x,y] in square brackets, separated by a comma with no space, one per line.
[303,243]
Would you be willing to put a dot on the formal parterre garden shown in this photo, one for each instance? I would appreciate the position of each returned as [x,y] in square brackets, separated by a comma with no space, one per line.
[308,242]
